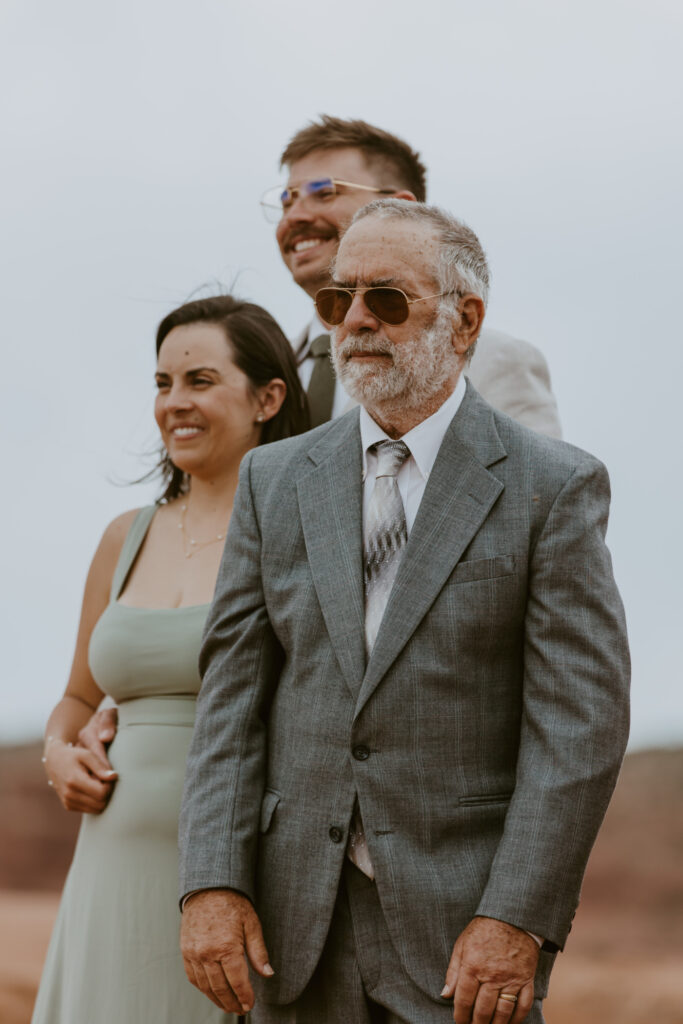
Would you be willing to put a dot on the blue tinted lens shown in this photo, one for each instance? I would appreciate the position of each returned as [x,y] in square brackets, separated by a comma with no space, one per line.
[321,187]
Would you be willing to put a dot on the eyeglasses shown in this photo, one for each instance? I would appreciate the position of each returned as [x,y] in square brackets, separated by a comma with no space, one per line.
[276,201]
[390,305]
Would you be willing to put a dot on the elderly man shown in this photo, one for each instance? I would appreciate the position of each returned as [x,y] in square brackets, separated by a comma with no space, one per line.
[415,674]
[335,167]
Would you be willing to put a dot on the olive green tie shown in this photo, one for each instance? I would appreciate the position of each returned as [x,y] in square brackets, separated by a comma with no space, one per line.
[322,383]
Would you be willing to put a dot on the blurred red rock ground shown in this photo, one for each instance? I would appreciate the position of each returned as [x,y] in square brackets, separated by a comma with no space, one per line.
[623,963]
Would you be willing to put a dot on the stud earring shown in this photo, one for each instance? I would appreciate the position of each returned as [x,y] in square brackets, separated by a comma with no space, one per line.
[259,417]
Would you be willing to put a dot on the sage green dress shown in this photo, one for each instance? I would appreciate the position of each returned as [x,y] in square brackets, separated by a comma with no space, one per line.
[114,954]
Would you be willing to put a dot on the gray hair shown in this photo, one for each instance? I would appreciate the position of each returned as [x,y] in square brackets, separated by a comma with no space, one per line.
[462,265]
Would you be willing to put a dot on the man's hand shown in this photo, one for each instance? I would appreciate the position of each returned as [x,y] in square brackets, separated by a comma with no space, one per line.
[219,926]
[491,958]
[98,730]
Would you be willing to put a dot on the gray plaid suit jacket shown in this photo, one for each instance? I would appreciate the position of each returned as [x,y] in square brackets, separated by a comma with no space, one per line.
[483,737]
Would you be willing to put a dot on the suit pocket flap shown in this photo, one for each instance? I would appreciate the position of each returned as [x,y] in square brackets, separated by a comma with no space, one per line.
[270,801]
[477,799]
[484,569]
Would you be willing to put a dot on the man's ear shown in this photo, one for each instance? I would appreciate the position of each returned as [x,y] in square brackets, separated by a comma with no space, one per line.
[404,194]
[472,310]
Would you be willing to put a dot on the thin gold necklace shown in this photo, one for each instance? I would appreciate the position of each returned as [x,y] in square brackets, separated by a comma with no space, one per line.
[191,546]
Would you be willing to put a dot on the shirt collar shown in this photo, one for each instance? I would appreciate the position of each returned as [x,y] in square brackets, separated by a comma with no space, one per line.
[315,328]
[424,440]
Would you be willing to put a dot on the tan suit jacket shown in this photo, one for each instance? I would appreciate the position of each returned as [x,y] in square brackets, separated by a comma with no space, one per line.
[513,377]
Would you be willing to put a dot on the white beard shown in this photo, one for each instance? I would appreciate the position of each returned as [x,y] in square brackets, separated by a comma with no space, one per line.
[419,368]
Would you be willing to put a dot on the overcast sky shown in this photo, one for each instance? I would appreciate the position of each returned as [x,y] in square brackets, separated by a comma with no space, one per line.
[136,141]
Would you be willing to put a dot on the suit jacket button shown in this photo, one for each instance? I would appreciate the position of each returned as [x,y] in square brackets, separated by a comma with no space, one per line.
[361,753]
[336,834]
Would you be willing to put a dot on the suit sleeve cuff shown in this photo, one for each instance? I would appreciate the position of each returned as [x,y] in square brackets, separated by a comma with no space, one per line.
[188,896]
[193,892]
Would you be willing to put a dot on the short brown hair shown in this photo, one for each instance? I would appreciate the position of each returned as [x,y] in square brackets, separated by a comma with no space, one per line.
[379,148]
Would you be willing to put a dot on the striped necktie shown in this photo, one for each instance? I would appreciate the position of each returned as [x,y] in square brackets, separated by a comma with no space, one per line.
[385,539]
[385,535]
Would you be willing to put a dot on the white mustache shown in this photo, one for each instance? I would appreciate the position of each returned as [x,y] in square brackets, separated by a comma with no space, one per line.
[360,345]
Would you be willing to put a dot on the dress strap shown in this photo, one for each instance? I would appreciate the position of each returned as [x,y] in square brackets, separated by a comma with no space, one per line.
[131,545]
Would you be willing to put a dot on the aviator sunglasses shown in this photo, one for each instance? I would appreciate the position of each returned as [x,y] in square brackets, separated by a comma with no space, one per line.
[390,305]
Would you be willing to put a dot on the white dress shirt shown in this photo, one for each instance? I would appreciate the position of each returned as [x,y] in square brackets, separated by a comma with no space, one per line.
[423,442]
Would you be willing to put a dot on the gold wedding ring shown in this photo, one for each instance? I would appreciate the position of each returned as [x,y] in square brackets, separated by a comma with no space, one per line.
[508,997]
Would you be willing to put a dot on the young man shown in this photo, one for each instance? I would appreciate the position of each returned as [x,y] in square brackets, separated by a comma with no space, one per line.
[334,168]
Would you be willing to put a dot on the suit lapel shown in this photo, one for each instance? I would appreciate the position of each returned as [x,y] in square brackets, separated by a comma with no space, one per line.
[330,499]
[458,497]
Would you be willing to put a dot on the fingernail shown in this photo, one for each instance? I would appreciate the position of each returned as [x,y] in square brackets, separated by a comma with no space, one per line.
[110,773]
[444,991]
[268,970]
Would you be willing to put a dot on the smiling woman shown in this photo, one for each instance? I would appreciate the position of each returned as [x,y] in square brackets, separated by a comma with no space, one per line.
[206,410]
[250,340]
[226,381]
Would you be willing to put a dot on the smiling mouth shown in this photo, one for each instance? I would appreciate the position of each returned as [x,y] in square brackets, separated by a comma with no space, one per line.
[180,432]
[302,245]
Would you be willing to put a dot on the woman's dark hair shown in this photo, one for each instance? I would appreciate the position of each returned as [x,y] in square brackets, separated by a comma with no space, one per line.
[259,349]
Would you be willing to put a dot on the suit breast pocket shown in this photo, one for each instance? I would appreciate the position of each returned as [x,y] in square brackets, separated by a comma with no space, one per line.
[479,569]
